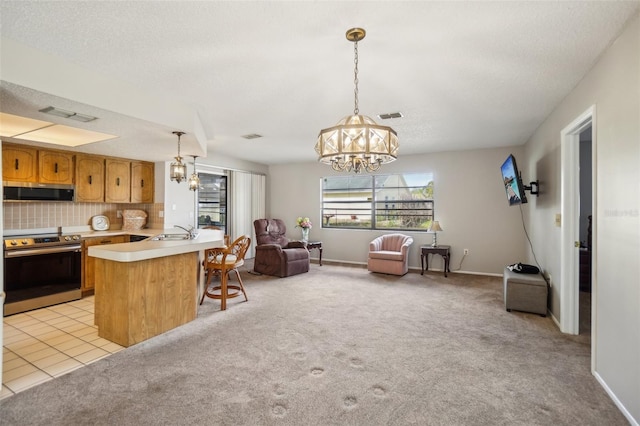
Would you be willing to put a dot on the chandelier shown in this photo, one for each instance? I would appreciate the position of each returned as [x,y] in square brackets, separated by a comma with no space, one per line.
[178,170]
[194,180]
[357,143]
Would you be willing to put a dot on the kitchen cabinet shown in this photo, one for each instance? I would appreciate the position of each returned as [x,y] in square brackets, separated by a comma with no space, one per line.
[19,163]
[55,167]
[89,179]
[89,263]
[118,181]
[135,301]
[97,179]
[142,176]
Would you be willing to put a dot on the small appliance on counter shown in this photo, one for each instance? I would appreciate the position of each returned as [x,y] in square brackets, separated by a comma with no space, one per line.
[134,219]
[100,223]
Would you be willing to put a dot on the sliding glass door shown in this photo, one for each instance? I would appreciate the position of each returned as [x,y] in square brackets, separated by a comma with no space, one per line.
[212,201]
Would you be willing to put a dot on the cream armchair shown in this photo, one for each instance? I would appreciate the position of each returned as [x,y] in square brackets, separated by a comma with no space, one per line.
[389,254]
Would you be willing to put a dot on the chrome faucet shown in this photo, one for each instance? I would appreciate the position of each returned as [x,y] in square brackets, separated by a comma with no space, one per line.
[190,230]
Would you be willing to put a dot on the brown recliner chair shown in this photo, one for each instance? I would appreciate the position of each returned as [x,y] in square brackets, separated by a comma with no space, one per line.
[275,254]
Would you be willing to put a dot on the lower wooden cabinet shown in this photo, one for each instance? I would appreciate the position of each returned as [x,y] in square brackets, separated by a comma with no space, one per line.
[89,263]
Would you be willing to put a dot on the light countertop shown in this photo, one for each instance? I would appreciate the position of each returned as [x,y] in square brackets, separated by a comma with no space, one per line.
[149,232]
[147,249]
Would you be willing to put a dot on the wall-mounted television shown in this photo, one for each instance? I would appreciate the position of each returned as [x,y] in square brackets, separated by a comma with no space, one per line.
[513,182]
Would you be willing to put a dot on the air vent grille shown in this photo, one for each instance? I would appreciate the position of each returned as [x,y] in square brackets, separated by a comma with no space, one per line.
[252,136]
[390,115]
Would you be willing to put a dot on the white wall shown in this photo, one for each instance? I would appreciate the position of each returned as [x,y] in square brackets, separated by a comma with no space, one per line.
[613,86]
[179,201]
[470,203]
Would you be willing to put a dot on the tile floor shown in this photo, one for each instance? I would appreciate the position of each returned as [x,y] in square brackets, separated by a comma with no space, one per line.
[46,343]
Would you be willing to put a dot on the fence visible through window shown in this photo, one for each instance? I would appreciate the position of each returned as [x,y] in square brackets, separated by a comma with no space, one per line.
[402,202]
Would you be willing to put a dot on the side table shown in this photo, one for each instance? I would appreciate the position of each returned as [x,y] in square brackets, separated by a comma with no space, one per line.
[444,251]
[315,245]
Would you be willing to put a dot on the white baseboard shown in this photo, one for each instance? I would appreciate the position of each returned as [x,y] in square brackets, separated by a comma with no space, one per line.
[555,320]
[486,274]
[411,268]
[615,400]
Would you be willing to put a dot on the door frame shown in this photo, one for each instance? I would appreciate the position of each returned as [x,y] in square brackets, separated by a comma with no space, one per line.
[570,205]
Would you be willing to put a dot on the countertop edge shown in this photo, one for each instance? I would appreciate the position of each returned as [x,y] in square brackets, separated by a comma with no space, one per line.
[144,250]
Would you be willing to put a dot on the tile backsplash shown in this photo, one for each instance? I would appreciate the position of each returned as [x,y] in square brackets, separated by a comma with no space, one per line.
[53,214]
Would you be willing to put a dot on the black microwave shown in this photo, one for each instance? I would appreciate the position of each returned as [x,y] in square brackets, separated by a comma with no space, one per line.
[28,191]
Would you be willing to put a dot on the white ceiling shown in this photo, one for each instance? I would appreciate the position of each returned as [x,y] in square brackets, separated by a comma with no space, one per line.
[465,75]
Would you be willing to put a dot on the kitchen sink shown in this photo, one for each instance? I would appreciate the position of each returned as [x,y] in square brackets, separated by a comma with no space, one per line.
[171,237]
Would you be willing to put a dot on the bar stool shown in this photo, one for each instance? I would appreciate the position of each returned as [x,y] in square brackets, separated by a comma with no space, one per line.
[221,261]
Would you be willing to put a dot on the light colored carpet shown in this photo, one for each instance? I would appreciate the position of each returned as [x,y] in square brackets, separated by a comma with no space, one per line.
[338,346]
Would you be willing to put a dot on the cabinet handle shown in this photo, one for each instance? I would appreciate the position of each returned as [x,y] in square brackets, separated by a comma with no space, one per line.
[17,164]
[90,180]
[141,183]
[55,168]
[118,181]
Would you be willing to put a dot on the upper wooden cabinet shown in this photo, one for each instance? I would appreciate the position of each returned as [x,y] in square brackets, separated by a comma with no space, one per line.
[55,167]
[97,179]
[89,179]
[19,163]
[118,181]
[142,177]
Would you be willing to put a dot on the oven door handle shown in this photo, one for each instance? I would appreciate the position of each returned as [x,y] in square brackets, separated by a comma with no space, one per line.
[44,250]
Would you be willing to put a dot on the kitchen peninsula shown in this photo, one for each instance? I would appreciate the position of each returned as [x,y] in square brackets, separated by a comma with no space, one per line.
[145,288]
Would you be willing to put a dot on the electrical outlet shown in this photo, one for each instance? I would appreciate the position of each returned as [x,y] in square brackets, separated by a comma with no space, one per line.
[161,213]
[119,214]
[466,252]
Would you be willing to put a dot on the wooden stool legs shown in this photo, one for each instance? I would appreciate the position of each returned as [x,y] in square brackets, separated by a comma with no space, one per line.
[224,288]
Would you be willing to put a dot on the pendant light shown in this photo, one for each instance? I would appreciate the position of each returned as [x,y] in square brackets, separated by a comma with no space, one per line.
[194,180]
[357,143]
[177,170]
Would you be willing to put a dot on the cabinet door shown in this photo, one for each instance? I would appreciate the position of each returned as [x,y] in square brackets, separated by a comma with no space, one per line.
[142,175]
[55,167]
[19,163]
[89,179]
[89,263]
[118,177]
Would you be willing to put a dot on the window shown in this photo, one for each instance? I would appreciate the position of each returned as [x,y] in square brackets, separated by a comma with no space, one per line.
[386,202]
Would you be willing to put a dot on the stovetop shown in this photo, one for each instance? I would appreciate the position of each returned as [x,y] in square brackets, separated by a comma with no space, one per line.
[39,240]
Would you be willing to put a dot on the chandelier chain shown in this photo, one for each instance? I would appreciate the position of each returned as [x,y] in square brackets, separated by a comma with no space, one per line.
[356,109]
[357,143]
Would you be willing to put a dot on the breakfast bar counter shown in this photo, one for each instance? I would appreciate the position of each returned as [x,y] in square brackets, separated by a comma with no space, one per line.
[145,288]
[149,249]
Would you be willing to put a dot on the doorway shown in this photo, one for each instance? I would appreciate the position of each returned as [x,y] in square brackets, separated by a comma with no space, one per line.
[573,201]
[585,231]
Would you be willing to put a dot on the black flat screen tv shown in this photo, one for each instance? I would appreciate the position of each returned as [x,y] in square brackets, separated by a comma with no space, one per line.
[513,182]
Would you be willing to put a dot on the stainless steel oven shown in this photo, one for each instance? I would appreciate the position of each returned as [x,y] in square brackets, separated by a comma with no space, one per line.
[41,270]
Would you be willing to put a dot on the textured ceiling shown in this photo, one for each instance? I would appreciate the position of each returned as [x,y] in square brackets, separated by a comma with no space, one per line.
[465,75]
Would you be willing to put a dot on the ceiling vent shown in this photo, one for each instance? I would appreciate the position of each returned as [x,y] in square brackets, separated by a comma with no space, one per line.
[252,136]
[68,114]
[390,115]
